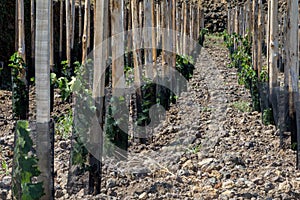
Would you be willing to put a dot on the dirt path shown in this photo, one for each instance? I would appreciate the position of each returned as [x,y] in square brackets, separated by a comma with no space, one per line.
[233,155]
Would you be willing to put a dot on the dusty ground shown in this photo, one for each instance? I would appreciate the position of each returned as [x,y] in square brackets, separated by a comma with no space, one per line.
[211,146]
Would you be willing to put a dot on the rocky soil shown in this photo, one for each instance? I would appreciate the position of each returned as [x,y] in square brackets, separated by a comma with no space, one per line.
[215,13]
[210,146]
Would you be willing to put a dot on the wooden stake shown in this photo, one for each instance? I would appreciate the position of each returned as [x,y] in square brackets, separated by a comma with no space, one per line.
[32,21]
[164,36]
[158,24]
[80,20]
[42,81]
[293,69]
[117,45]
[260,37]
[136,56]
[254,33]
[68,32]
[61,23]
[148,38]
[154,52]
[72,23]
[51,37]
[89,25]
[185,23]
[273,46]
[173,28]
[85,32]
[21,29]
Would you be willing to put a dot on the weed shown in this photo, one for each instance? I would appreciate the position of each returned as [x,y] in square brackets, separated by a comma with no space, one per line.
[194,150]
[185,66]
[4,168]
[267,117]
[264,74]
[294,146]
[242,106]
[64,125]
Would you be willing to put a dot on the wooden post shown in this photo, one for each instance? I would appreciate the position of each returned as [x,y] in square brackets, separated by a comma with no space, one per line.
[148,38]
[32,22]
[42,77]
[101,19]
[141,21]
[293,44]
[184,10]
[118,80]
[21,29]
[254,33]
[188,24]
[164,33]
[80,20]
[178,27]
[51,37]
[268,33]
[173,29]
[236,25]
[250,13]
[16,25]
[242,21]
[61,24]
[68,32]
[191,27]
[166,46]
[85,32]
[260,37]
[246,18]
[273,46]
[117,43]
[182,24]
[284,40]
[154,47]
[293,68]
[158,24]
[137,61]
[72,23]
[89,25]
[229,17]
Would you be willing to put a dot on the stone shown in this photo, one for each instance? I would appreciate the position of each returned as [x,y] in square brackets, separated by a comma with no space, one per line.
[216,174]
[258,181]
[196,189]
[228,193]
[188,165]
[205,162]
[3,194]
[63,144]
[284,187]
[213,180]
[80,193]
[110,183]
[277,179]
[268,187]
[228,184]
[183,172]
[9,195]
[59,193]
[249,184]
[6,182]
[143,195]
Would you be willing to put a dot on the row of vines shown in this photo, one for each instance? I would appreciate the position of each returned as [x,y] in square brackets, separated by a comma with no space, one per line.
[263,45]
[108,45]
